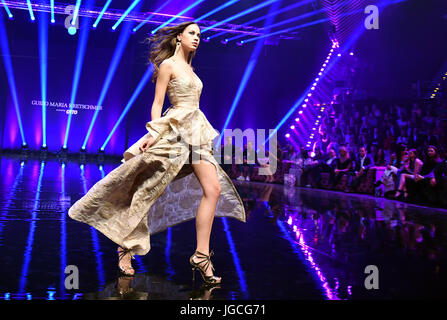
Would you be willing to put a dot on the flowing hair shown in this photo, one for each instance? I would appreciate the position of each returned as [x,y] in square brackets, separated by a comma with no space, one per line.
[163,45]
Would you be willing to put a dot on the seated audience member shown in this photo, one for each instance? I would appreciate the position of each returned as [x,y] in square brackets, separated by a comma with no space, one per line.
[440,182]
[264,162]
[326,165]
[362,163]
[245,169]
[296,166]
[427,172]
[386,185]
[379,158]
[411,166]
[306,166]
[343,164]
[227,155]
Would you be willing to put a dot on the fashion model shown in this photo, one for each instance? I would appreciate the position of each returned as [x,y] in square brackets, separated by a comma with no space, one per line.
[170,175]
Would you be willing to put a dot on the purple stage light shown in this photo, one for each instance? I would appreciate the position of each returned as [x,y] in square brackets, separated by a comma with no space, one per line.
[287,135]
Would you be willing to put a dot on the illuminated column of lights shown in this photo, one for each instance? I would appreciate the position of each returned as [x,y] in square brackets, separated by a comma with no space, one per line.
[124,15]
[104,9]
[142,23]
[30,9]
[43,62]
[117,54]
[95,240]
[293,6]
[76,12]
[80,53]
[7,10]
[32,229]
[52,11]
[221,7]
[308,93]
[317,123]
[436,90]
[177,15]
[240,14]
[10,75]
[247,74]
[129,104]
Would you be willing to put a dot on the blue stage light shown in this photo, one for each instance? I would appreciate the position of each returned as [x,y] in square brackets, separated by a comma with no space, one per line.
[150,16]
[7,9]
[177,15]
[30,9]
[43,62]
[221,7]
[129,104]
[104,9]
[10,75]
[52,11]
[76,12]
[247,73]
[80,53]
[117,54]
[131,7]
[240,14]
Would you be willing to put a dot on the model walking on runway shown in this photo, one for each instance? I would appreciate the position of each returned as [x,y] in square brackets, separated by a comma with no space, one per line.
[156,185]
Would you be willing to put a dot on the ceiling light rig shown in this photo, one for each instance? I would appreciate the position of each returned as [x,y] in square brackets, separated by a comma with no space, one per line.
[156,19]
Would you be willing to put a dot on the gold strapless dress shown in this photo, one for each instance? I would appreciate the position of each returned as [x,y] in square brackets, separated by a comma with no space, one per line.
[157,189]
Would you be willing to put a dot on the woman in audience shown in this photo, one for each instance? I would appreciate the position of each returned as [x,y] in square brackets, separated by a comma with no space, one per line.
[411,167]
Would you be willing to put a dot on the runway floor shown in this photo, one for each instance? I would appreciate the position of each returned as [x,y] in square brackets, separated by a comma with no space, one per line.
[297,244]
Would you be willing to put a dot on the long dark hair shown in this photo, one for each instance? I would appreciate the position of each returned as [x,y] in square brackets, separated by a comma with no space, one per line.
[163,45]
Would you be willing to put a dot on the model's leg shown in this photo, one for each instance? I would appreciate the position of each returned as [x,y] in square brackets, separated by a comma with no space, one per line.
[207,175]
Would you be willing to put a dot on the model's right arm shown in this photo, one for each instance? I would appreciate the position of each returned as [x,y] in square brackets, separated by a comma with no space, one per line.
[164,75]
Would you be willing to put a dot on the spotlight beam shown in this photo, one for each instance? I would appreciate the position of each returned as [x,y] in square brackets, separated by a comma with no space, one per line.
[30,9]
[80,53]
[43,62]
[240,14]
[223,6]
[104,9]
[142,23]
[7,9]
[129,104]
[125,14]
[293,6]
[311,23]
[117,54]
[177,15]
[10,75]
[246,76]
[52,11]
[76,12]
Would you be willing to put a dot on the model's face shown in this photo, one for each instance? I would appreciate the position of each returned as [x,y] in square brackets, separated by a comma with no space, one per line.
[190,37]
[412,155]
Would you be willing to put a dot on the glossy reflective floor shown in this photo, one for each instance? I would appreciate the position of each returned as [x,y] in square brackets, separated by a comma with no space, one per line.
[296,244]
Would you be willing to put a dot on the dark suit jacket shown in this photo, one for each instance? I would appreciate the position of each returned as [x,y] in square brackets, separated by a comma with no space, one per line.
[367,163]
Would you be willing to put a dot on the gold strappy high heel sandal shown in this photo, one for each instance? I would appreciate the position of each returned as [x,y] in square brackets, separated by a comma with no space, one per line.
[202,266]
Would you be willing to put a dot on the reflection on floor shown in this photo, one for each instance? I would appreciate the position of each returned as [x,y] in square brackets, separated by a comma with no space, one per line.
[296,244]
